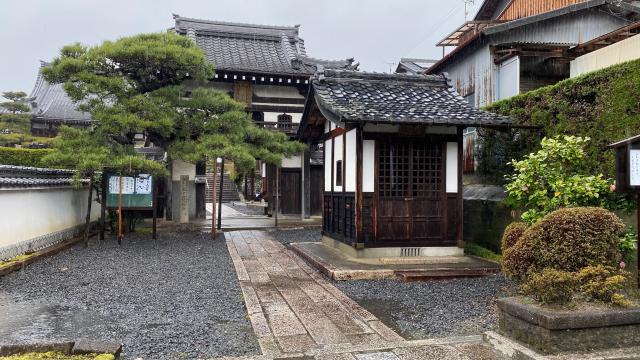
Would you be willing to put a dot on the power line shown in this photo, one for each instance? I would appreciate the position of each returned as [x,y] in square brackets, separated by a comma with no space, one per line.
[428,34]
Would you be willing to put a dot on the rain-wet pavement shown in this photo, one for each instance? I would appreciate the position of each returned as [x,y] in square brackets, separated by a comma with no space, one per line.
[177,297]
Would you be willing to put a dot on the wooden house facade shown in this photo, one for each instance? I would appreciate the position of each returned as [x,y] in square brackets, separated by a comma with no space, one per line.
[267,68]
[392,160]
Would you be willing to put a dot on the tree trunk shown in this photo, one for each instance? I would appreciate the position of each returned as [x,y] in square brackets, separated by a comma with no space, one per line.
[214,202]
[87,225]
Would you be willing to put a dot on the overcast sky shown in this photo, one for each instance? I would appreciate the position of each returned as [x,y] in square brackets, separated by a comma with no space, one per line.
[374,32]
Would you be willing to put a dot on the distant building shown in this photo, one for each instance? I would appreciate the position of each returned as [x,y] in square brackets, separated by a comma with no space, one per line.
[514,46]
[51,107]
[267,67]
[414,66]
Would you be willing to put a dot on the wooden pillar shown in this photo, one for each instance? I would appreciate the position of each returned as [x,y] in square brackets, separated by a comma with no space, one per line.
[303,180]
[359,198]
[344,181]
[459,199]
[103,203]
[306,190]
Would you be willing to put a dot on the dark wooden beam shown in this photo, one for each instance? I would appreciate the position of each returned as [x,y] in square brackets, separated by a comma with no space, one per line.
[359,198]
[460,202]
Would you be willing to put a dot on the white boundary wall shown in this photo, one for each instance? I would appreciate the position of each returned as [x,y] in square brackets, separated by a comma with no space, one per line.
[31,218]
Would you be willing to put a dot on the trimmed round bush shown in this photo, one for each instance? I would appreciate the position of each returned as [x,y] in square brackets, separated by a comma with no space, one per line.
[551,286]
[512,233]
[568,240]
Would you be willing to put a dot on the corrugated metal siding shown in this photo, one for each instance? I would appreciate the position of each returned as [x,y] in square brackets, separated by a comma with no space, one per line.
[523,8]
[569,29]
[473,74]
[617,53]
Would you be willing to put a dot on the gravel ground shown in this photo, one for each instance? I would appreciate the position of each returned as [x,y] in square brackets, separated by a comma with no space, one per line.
[421,310]
[177,297]
[287,236]
[246,210]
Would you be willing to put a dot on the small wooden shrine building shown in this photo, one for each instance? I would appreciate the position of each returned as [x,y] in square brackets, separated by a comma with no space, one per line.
[392,161]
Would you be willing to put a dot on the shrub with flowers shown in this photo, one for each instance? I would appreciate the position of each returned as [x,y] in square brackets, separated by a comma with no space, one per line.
[555,177]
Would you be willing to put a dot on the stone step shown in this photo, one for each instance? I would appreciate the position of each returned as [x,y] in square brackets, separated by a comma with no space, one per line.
[443,274]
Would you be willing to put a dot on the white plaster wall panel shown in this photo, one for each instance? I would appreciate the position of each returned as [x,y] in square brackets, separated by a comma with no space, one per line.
[264,170]
[180,168]
[292,162]
[368,165]
[350,174]
[273,117]
[29,213]
[327,165]
[327,126]
[625,50]
[509,78]
[337,156]
[276,91]
[452,168]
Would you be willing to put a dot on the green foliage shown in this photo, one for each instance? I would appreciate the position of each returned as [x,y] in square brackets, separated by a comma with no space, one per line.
[479,251]
[23,157]
[133,86]
[627,244]
[604,283]
[211,124]
[551,286]
[602,106]
[555,177]
[16,103]
[512,234]
[567,239]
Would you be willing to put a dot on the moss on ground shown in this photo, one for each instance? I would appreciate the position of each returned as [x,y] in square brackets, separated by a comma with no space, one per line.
[479,251]
[52,355]
[16,259]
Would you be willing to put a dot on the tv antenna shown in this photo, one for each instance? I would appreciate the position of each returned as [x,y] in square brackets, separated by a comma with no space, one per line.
[467,4]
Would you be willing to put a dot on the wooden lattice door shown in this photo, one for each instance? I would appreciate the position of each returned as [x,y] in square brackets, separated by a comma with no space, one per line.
[410,193]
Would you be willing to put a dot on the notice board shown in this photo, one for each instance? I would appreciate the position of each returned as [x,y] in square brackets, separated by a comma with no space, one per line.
[137,192]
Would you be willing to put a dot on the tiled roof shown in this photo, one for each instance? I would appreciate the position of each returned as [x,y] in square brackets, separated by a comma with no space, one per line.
[349,96]
[263,49]
[51,102]
[21,176]
[414,66]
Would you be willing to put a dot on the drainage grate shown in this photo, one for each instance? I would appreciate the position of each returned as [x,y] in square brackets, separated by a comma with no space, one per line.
[410,252]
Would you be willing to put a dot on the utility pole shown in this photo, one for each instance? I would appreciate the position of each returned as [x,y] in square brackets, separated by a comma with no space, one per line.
[467,4]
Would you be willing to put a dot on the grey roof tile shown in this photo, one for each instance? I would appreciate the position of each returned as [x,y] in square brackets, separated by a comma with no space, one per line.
[50,101]
[20,176]
[352,96]
[263,49]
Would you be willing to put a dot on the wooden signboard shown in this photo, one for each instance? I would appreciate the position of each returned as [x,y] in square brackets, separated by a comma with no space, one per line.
[137,192]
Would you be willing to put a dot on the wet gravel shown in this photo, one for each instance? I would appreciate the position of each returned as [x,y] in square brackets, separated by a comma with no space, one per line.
[177,297]
[419,310]
[293,235]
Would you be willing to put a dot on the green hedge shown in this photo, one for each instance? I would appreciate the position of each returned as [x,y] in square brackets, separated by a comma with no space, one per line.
[22,157]
[603,105]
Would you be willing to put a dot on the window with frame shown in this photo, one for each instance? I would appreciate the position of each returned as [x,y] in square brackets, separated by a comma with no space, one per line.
[339,173]
[284,121]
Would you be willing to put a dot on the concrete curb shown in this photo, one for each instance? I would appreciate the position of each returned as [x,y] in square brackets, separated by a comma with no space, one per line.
[510,348]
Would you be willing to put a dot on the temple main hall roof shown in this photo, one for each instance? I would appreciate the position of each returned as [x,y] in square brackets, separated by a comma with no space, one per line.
[263,49]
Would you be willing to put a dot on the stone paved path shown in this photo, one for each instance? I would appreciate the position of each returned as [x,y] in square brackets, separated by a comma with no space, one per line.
[296,313]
